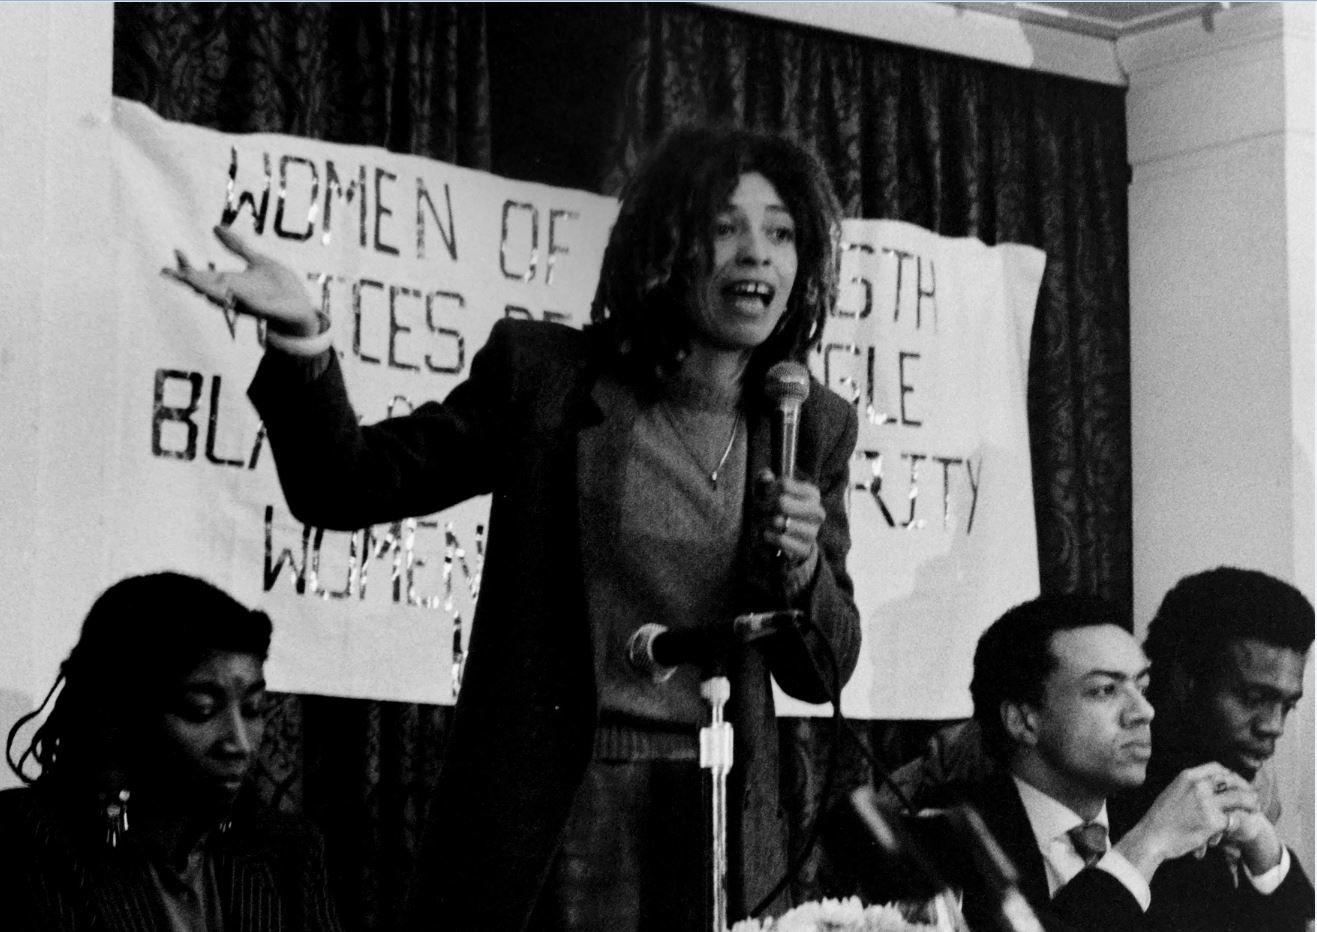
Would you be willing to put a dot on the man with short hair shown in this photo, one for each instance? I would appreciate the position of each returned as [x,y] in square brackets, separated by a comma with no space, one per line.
[1059,693]
[1228,647]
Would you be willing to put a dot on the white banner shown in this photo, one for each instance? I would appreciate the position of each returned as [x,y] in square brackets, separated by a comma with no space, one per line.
[414,260]
[930,338]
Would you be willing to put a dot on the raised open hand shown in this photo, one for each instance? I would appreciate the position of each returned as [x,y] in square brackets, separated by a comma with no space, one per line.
[266,288]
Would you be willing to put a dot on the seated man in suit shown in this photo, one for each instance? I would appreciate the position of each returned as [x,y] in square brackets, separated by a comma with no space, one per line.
[1059,694]
[1228,648]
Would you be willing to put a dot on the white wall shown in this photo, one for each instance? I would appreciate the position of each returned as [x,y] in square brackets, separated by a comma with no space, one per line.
[1221,308]
[58,290]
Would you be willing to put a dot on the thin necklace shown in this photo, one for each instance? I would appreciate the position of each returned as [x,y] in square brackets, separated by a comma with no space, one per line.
[690,451]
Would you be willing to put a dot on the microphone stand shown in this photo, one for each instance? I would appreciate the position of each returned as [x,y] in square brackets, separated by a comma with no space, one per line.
[716,757]
[655,651]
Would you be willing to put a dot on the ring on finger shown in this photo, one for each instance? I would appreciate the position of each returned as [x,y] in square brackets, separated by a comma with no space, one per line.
[786,525]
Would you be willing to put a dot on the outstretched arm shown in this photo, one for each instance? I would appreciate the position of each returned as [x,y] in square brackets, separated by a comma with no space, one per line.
[334,472]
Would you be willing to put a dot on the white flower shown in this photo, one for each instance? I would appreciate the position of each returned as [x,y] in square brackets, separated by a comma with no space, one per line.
[848,915]
[827,916]
[750,925]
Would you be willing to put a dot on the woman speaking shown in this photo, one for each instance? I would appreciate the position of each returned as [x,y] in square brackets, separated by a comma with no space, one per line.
[631,483]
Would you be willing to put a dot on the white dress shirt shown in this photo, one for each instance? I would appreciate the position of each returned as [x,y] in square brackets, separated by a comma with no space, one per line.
[1050,821]
[1267,881]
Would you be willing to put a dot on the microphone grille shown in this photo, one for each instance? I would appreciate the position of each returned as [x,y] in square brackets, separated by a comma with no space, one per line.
[787,381]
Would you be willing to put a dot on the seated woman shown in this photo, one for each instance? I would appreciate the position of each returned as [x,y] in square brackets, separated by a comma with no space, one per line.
[138,818]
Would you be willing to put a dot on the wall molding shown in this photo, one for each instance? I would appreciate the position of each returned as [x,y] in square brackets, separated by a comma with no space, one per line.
[1169,48]
[943,27]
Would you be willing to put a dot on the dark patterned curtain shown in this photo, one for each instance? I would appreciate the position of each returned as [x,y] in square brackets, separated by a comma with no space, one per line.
[413,79]
[963,148]
[409,77]
[571,95]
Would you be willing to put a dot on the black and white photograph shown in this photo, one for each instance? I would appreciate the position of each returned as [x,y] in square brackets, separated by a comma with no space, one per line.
[657,467]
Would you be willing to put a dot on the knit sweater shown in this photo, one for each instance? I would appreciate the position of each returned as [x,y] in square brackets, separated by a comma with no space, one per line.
[676,559]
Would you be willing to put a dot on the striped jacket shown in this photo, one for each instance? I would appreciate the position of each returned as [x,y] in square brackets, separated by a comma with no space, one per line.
[56,875]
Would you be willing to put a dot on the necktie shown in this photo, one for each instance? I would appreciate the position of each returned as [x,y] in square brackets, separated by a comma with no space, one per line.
[1090,841]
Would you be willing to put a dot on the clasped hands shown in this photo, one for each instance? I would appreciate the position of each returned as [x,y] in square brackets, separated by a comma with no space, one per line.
[1203,806]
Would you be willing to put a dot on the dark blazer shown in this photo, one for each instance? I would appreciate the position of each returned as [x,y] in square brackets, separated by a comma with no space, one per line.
[535,425]
[1093,901]
[56,875]
[1188,894]
[1205,895]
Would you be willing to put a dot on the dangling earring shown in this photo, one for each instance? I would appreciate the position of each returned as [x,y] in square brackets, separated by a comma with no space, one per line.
[116,819]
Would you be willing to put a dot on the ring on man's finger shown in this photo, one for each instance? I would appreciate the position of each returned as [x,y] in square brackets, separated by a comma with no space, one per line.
[786,525]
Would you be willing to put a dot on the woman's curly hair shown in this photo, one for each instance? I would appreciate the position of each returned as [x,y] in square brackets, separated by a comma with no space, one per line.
[140,637]
[661,246]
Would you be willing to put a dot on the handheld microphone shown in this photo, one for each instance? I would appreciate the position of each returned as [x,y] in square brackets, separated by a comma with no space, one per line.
[657,650]
[786,385]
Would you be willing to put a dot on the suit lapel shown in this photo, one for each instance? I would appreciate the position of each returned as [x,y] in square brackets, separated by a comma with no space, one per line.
[602,449]
[601,452]
[1005,817]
